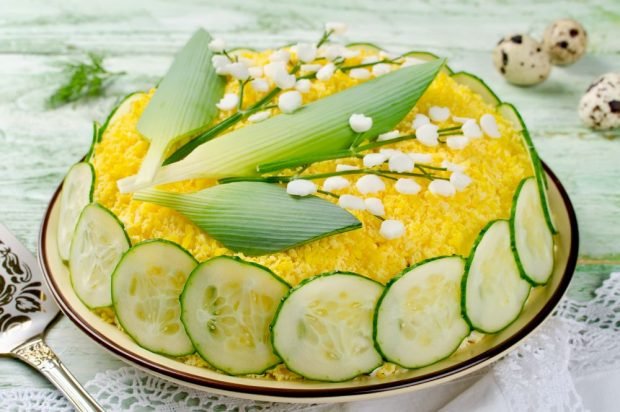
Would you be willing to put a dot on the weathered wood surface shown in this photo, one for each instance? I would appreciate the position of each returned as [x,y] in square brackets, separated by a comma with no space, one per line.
[37,145]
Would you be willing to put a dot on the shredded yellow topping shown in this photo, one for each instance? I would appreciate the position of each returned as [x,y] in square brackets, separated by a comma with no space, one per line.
[435,225]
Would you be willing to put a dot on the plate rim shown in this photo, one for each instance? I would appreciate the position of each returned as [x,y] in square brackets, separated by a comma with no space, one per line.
[444,374]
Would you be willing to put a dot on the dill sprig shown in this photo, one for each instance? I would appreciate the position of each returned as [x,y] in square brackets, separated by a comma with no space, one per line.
[85,80]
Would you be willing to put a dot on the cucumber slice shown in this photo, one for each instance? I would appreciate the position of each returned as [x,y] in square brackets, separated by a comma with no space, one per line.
[418,320]
[532,241]
[509,112]
[98,243]
[493,290]
[122,108]
[146,286]
[77,191]
[478,86]
[90,156]
[323,328]
[226,307]
[428,57]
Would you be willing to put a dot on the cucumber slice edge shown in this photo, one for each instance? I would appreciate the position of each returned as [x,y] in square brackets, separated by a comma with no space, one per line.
[245,262]
[513,241]
[122,226]
[384,294]
[118,319]
[296,288]
[468,263]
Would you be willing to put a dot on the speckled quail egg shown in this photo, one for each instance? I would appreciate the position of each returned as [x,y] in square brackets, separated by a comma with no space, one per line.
[599,107]
[521,60]
[565,41]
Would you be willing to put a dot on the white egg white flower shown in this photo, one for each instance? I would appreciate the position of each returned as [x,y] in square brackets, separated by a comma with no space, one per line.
[326,72]
[260,85]
[288,102]
[370,184]
[400,163]
[420,120]
[375,206]
[359,73]
[217,45]
[280,56]
[392,229]
[228,102]
[471,129]
[335,183]
[312,68]
[439,114]
[457,142]
[489,126]
[460,180]
[274,69]
[442,188]
[256,71]
[380,69]
[388,136]
[306,52]
[303,85]
[374,159]
[351,202]
[427,135]
[259,116]
[407,186]
[301,187]
[342,168]
[238,70]
[284,80]
[360,123]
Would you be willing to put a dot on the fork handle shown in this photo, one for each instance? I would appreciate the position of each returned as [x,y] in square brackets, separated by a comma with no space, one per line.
[37,354]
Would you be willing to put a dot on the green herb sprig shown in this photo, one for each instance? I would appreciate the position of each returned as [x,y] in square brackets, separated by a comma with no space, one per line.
[85,80]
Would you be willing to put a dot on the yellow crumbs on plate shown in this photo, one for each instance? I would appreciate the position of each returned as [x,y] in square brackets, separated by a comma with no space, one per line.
[435,225]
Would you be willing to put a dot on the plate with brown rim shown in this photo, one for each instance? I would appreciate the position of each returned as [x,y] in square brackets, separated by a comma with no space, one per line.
[539,306]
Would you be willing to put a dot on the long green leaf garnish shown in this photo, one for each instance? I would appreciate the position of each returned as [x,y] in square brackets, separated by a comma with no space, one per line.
[184,103]
[84,80]
[318,128]
[256,218]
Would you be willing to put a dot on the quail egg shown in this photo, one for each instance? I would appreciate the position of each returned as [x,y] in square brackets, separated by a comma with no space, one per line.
[599,107]
[565,41]
[521,60]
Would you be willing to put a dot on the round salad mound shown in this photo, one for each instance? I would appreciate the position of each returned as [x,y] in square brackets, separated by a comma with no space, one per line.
[434,225]
[412,209]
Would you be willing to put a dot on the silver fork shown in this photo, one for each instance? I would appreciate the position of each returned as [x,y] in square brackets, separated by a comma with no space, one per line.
[26,310]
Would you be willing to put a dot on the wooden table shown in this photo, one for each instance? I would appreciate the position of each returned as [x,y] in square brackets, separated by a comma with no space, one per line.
[37,145]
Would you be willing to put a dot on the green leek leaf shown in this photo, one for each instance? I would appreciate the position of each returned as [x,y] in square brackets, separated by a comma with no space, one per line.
[184,103]
[317,128]
[256,218]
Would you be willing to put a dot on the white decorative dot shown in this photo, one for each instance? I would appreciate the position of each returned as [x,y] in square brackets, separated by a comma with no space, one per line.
[460,180]
[370,184]
[471,129]
[335,183]
[392,229]
[374,159]
[375,206]
[351,202]
[457,142]
[489,126]
[300,187]
[288,102]
[427,135]
[442,188]
[400,163]
[439,114]
[407,186]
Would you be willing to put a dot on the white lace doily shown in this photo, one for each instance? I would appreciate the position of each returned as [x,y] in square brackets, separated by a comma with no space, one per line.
[581,338]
